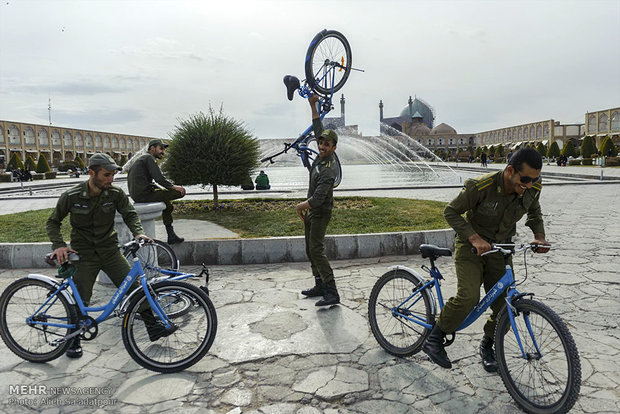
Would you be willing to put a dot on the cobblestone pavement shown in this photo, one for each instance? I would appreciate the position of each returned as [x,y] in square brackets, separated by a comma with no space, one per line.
[276,353]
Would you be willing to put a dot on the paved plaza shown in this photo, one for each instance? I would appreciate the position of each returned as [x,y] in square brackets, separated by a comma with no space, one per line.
[276,353]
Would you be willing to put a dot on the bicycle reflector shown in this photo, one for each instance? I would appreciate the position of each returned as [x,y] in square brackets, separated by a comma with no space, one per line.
[66,270]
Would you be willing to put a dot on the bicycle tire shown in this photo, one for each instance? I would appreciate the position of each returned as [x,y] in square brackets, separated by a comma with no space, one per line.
[553,378]
[328,45]
[20,300]
[183,348]
[388,292]
[154,256]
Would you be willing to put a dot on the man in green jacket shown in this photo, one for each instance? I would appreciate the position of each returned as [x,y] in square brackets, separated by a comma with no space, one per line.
[92,206]
[492,203]
[262,181]
[141,188]
[316,211]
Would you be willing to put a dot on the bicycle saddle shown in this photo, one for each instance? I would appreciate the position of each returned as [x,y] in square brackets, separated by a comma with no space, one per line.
[429,250]
[292,84]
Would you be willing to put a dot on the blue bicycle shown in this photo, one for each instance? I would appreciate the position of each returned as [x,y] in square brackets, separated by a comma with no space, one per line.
[168,325]
[538,363]
[327,68]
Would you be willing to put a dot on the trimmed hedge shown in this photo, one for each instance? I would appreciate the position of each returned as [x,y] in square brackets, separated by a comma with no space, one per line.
[50,175]
[43,166]
[574,162]
[586,161]
[612,161]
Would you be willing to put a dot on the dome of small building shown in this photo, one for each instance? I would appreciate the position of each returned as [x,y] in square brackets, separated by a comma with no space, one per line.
[423,109]
[443,129]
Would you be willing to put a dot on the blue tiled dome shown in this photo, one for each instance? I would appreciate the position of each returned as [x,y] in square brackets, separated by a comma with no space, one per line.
[423,109]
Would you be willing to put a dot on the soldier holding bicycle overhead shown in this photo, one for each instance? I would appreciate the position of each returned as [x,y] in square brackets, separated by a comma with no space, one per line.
[92,206]
[316,211]
[492,203]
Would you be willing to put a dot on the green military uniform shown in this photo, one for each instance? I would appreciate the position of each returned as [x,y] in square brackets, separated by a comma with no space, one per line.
[141,188]
[321,198]
[493,215]
[93,234]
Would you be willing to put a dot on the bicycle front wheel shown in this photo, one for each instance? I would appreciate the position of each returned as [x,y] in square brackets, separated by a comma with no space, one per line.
[196,323]
[154,256]
[21,301]
[548,378]
[392,295]
[328,62]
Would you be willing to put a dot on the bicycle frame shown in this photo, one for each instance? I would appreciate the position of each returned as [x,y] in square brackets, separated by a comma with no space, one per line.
[135,272]
[506,283]
[324,106]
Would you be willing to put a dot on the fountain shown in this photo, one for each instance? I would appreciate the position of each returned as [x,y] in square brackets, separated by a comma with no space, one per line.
[395,160]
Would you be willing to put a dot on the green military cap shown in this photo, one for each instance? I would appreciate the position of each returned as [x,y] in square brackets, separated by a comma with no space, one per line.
[105,161]
[330,134]
[157,141]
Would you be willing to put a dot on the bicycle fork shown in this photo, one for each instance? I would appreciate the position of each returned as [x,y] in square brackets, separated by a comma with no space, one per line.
[513,313]
[154,304]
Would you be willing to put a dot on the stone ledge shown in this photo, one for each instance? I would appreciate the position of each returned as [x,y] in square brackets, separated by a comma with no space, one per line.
[256,251]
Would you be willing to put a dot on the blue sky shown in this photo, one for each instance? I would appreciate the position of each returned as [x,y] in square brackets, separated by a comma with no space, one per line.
[136,67]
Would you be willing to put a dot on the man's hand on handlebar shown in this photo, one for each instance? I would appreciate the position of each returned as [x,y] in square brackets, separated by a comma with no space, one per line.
[61,254]
[540,241]
[481,245]
[144,237]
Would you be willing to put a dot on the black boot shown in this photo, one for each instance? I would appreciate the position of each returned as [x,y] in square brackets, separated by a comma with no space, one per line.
[317,290]
[330,294]
[433,347]
[488,354]
[75,350]
[155,327]
[172,237]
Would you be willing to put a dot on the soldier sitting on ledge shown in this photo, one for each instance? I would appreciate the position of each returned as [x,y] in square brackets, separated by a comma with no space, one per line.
[142,189]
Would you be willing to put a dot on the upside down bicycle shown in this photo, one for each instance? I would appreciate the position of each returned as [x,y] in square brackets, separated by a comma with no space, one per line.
[327,68]
[537,357]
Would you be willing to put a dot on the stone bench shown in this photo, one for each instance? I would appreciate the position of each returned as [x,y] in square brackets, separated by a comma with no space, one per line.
[147,212]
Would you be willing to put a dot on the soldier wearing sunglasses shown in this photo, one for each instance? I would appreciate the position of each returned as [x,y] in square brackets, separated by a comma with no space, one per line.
[493,204]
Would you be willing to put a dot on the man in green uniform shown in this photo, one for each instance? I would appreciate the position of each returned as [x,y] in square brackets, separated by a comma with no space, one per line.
[316,211]
[92,206]
[493,204]
[141,188]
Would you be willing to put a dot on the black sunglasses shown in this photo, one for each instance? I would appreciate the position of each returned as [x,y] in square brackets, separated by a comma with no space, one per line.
[526,180]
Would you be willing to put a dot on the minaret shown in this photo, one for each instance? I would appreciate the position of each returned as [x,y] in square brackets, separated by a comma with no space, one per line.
[380,110]
[410,106]
[342,110]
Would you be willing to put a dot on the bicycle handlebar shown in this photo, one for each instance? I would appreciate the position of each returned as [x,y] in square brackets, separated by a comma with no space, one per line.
[510,248]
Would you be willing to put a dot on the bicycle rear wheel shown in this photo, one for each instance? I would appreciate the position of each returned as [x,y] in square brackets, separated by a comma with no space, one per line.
[197,326]
[32,342]
[395,334]
[154,256]
[328,62]
[548,378]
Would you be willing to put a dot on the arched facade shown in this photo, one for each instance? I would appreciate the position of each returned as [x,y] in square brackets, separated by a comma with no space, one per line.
[59,144]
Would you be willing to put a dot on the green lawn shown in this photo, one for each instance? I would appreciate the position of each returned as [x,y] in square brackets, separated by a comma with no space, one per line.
[266,217]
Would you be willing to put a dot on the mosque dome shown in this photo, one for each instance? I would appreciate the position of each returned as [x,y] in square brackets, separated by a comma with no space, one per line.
[422,108]
[443,129]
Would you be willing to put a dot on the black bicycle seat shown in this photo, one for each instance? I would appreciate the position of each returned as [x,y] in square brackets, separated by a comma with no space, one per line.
[429,250]
[292,84]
